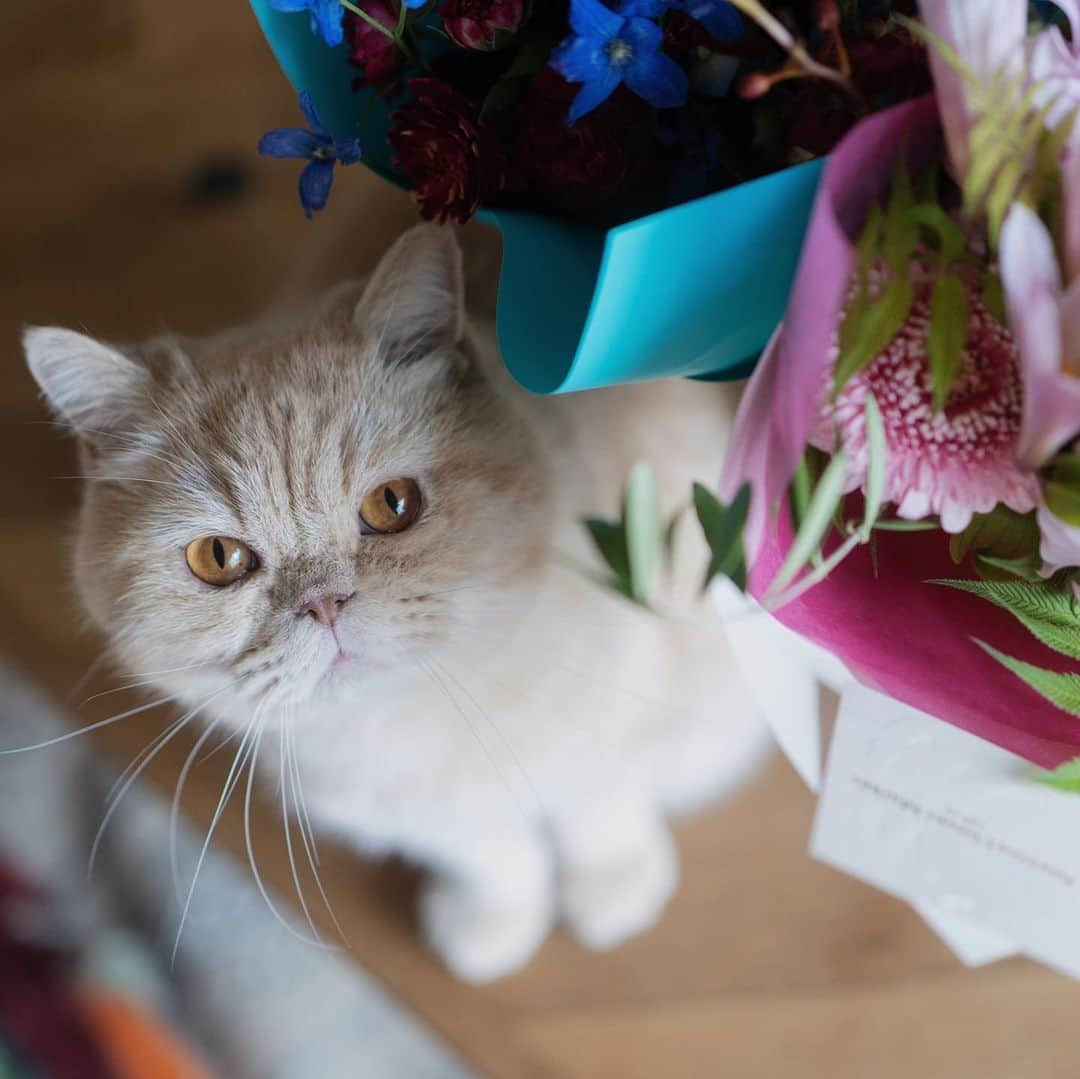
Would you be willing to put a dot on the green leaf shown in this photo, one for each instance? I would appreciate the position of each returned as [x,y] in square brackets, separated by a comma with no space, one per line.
[610,540]
[898,525]
[931,216]
[1065,777]
[876,464]
[869,240]
[1052,615]
[992,568]
[877,326]
[644,531]
[1002,533]
[827,496]
[723,526]
[1003,194]
[946,334]
[1063,488]
[1061,690]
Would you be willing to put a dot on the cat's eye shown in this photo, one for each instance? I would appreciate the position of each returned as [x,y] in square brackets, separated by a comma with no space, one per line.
[390,507]
[220,560]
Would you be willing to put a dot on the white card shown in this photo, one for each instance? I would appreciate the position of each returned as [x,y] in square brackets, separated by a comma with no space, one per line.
[945,820]
[782,671]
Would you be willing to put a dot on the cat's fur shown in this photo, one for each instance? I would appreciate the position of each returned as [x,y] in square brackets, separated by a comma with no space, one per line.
[501,720]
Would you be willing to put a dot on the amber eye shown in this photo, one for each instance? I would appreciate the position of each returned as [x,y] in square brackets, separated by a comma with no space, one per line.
[390,507]
[220,560]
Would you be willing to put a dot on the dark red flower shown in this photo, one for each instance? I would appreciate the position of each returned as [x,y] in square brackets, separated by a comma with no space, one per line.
[369,48]
[449,156]
[473,24]
[595,165]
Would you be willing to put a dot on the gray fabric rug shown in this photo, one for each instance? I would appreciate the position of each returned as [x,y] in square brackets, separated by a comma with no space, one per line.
[258,1002]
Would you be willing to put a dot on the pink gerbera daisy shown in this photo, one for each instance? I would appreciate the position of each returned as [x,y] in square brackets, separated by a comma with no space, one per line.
[951,463]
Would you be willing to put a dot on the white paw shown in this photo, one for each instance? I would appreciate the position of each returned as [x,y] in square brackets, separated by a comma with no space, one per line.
[479,941]
[603,905]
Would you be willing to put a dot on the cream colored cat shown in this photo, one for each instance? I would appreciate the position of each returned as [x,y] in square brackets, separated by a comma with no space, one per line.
[346,536]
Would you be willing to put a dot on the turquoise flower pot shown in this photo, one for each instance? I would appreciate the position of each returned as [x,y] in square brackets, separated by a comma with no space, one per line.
[693,291]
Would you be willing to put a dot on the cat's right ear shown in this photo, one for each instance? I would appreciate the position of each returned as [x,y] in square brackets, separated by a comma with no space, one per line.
[90,385]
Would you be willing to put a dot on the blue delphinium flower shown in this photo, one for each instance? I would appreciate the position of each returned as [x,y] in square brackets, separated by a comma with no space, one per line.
[609,47]
[318,147]
[326,16]
[720,18]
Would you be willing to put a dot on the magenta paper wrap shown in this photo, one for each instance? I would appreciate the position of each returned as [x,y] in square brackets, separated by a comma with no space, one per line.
[896,632]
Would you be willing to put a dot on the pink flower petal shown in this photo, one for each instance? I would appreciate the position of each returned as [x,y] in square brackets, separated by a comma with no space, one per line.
[1060,545]
[1032,280]
[1070,182]
[986,35]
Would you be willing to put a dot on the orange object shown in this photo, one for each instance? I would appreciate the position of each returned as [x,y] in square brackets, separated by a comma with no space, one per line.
[136,1042]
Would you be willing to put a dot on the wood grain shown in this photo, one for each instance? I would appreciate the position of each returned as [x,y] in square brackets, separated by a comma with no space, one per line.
[768,963]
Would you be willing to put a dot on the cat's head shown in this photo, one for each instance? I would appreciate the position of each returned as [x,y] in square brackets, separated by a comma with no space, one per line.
[277,512]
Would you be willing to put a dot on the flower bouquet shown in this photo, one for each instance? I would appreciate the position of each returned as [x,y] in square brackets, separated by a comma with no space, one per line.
[607,142]
[906,458]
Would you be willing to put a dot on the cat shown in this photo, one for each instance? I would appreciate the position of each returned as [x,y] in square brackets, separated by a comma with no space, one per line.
[344,536]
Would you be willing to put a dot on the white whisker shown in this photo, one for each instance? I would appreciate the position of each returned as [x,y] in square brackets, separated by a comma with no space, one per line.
[148,754]
[242,753]
[87,729]
[318,941]
[288,837]
[304,822]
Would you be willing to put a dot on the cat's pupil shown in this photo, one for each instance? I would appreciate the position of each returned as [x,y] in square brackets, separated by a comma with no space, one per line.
[219,553]
[393,501]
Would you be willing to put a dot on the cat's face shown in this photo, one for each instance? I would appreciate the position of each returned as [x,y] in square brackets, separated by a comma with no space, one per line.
[276,514]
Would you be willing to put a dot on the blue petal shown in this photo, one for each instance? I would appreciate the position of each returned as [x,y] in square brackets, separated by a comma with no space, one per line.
[590,18]
[658,79]
[326,21]
[643,36]
[290,5]
[347,151]
[289,142]
[593,93]
[721,19]
[646,9]
[315,183]
[307,107]
[581,59]
[412,5]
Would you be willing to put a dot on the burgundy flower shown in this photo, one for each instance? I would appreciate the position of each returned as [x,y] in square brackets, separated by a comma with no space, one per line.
[449,156]
[369,48]
[473,24]
[596,165]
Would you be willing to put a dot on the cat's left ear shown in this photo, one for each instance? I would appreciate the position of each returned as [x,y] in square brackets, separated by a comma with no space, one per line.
[415,300]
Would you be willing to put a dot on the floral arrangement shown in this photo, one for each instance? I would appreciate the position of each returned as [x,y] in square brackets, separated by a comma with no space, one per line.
[903,485]
[904,481]
[598,111]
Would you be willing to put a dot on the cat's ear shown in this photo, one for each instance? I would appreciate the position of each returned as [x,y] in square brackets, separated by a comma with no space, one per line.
[91,385]
[415,300]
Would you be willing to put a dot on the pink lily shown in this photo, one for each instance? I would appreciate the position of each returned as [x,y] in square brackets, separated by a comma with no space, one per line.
[1060,546]
[1045,320]
[988,36]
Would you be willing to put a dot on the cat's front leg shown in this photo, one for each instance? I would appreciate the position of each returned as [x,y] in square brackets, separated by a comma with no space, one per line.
[619,869]
[490,903]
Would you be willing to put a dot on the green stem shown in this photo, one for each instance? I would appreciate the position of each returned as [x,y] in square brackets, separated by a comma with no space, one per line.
[370,20]
[755,10]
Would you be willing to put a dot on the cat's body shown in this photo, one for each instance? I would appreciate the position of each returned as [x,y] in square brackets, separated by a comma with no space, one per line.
[457,692]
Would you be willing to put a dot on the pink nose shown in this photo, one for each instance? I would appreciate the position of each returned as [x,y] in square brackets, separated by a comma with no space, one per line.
[325,609]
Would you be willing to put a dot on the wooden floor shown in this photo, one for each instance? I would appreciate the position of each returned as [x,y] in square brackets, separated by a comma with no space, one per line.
[113,116]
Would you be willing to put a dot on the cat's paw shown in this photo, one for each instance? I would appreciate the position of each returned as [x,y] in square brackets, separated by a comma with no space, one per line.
[603,905]
[479,941]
